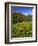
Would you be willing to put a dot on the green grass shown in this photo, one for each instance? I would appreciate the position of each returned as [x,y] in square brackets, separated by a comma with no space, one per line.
[23,29]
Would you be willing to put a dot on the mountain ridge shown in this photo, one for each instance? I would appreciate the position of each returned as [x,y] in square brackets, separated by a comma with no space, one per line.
[18,17]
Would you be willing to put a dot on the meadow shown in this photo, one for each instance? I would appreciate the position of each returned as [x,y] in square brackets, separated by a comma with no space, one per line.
[21,25]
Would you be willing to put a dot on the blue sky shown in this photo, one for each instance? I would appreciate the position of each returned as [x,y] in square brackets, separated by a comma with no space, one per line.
[23,10]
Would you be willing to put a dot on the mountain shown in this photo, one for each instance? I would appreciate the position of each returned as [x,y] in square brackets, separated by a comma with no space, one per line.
[18,17]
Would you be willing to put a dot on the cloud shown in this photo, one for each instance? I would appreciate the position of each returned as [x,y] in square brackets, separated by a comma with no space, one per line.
[27,13]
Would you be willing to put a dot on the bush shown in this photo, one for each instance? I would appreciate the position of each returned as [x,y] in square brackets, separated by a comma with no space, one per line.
[23,29]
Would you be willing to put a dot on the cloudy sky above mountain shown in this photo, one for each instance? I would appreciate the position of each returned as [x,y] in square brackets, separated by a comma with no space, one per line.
[23,10]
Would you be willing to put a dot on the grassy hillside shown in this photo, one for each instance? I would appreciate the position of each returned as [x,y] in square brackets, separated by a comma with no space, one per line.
[21,25]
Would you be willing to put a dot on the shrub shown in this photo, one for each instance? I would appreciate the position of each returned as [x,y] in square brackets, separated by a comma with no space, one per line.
[23,29]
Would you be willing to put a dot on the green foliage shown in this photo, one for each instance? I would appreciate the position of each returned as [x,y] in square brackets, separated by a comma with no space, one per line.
[23,29]
[21,25]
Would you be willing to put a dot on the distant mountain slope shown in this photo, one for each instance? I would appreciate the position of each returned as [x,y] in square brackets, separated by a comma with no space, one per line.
[18,17]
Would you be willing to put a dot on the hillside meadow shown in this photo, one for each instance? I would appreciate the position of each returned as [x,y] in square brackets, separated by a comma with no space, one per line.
[21,25]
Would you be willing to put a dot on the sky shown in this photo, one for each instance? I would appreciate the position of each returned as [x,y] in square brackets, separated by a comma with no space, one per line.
[23,10]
